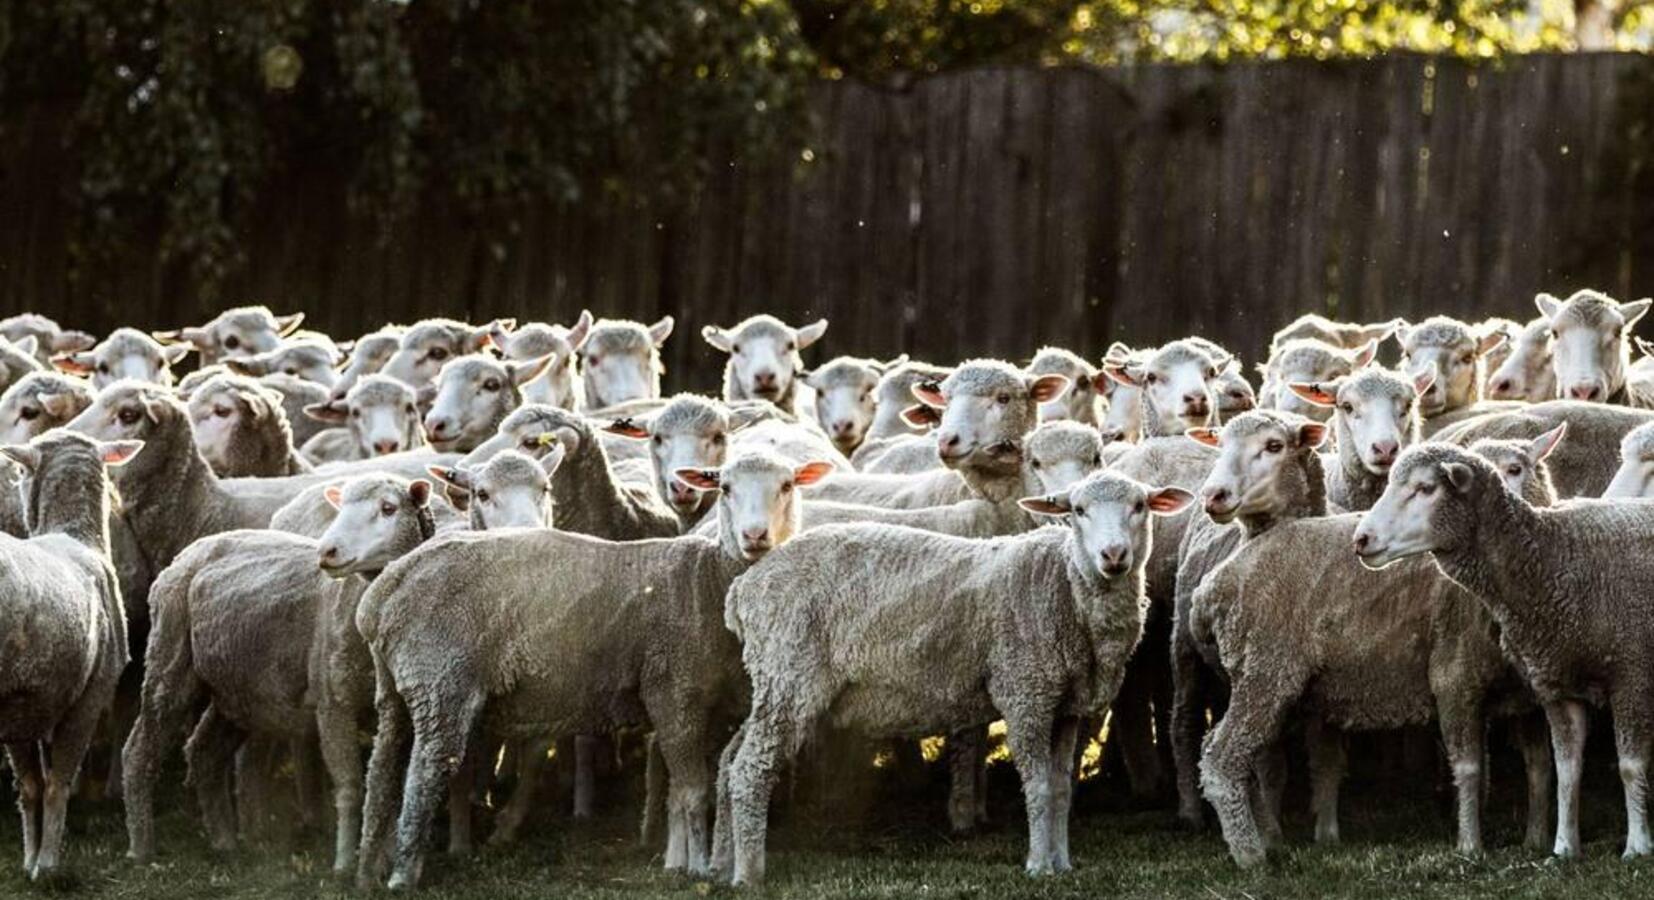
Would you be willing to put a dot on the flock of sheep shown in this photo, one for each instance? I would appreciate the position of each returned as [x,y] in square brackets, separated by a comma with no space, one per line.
[444,544]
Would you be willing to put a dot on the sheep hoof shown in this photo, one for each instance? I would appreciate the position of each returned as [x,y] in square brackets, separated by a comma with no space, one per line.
[1249,857]
[1039,869]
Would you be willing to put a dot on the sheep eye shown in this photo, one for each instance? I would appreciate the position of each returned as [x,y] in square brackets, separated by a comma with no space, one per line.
[590,360]
[482,496]
[1348,408]
[1150,378]
[1514,471]
[1079,510]
[1211,373]
[1426,490]
[232,342]
[411,410]
[290,371]
[1003,399]
[492,384]
[223,412]
[718,439]
[1096,459]
[659,440]
[387,509]
[787,488]
[1274,446]
[357,414]
[736,349]
[1137,507]
[1467,359]
[28,414]
[1034,463]
[127,416]
[791,346]
[438,353]
[103,368]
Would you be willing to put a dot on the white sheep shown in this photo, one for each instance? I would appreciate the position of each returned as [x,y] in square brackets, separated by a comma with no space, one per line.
[620,362]
[429,344]
[1590,350]
[1635,477]
[846,397]
[241,429]
[1453,353]
[764,360]
[235,333]
[1527,372]
[377,417]
[368,355]
[50,338]
[39,402]
[310,359]
[561,385]
[125,354]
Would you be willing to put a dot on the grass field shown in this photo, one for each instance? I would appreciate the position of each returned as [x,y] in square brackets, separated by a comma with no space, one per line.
[1396,844]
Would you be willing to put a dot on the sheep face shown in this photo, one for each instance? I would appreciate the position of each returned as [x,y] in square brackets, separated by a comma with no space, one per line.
[1255,451]
[757,499]
[40,401]
[126,354]
[846,399]
[1061,454]
[473,394]
[1423,508]
[222,411]
[368,356]
[1520,464]
[1176,382]
[620,361]
[1635,477]
[535,340]
[763,355]
[311,361]
[1448,350]
[987,407]
[526,429]
[235,334]
[381,413]
[1527,372]
[1109,516]
[1311,362]
[512,490]
[1079,403]
[128,410]
[430,345]
[689,433]
[378,519]
[1588,342]
[49,337]
[1375,412]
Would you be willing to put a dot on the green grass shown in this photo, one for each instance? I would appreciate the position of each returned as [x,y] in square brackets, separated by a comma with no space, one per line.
[1396,843]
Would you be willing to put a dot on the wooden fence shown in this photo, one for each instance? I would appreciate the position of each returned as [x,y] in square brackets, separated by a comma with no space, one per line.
[989,212]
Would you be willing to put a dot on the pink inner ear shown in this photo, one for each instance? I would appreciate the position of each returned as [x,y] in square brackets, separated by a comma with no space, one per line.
[1312,435]
[1207,436]
[334,496]
[114,455]
[812,472]
[1313,393]
[1169,500]
[1120,374]
[1049,387]
[696,478]
[929,395]
[1042,505]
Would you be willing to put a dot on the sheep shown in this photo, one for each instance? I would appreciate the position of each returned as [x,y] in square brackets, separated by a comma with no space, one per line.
[379,416]
[894,631]
[473,395]
[17,360]
[1589,351]
[310,360]
[39,402]
[1375,415]
[1527,372]
[295,394]
[1124,418]
[1585,464]
[1081,401]
[1231,391]
[1297,626]
[50,339]
[234,333]
[561,385]
[368,355]
[241,430]
[620,362]
[1635,477]
[845,401]
[894,429]
[430,344]
[1308,361]
[1337,334]
[1176,385]
[125,354]
[1450,349]
[1495,358]
[63,604]
[594,635]
[764,359]
[1568,589]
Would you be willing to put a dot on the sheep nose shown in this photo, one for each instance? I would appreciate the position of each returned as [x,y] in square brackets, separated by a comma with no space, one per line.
[1385,451]
[682,493]
[1217,498]
[384,447]
[330,555]
[763,380]
[1586,392]
[1114,558]
[947,442]
[843,428]
[438,427]
[1503,388]
[755,535]
[1195,404]
[1362,541]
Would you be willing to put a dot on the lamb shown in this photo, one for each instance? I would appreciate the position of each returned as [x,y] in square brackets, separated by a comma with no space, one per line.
[125,354]
[861,625]
[764,359]
[50,339]
[561,384]
[378,416]
[845,401]
[1589,347]
[1308,361]
[1568,588]
[1081,401]
[241,430]
[39,402]
[1586,463]
[473,395]
[1375,415]
[1296,626]
[1449,349]
[62,602]
[368,355]
[309,360]
[635,630]
[234,333]
[620,362]
[1635,477]
[430,344]
[1527,372]
[1338,334]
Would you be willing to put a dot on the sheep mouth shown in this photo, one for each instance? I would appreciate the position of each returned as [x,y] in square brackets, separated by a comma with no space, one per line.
[755,551]
[338,568]
[1222,515]
[1115,569]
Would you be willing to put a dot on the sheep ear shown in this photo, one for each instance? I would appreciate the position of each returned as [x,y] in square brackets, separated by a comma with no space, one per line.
[1378,331]
[627,428]
[1312,434]
[718,338]
[75,363]
[1221,362]
[1048,387]
[1364,357]
[930,394]
[891,363]
[1423,380]
[1124,373]
[345,347]
[1207,436]
[811,333]
[175,353]
[661,330]
[700,479]
[1168,500]
[334,411]
[24,455]
[247,366]
[115,453]
[524,372]
[497,335]
[419,492]
[1542,446]
[256,404]
[1111,434]
[1403,332]
[553,458]
[1103,384]
[1117,350]
[1320,393]
[1459,476]
[335,495]
[286,325]
[1490,342]
[812,472]
[1053,505]
[425,395]
[1549,306]
[1643,346]
[27,345]
[60,406]
[920,415]
[459,483]
[1635,310]
[71,341]
[581,330]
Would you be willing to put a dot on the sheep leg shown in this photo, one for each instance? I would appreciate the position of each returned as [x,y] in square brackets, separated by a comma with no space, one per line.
[442,731]
[63,758]
[586,749]
[256,764]
[1568,727]
[1188,723]
[1131,725]
[685,753]
[1631,739]
[723,849]
[1463,733]
[170,691]
[385,772]
[1062,790]
[530,762]
[459,798]
[25,764]
[966,749]
[1267,788]
[211,754]
[307,779]
[1327,763]
[770,739]
[1252,725]
[654,794]
[1031,742]
[1536,757]
[336,728]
